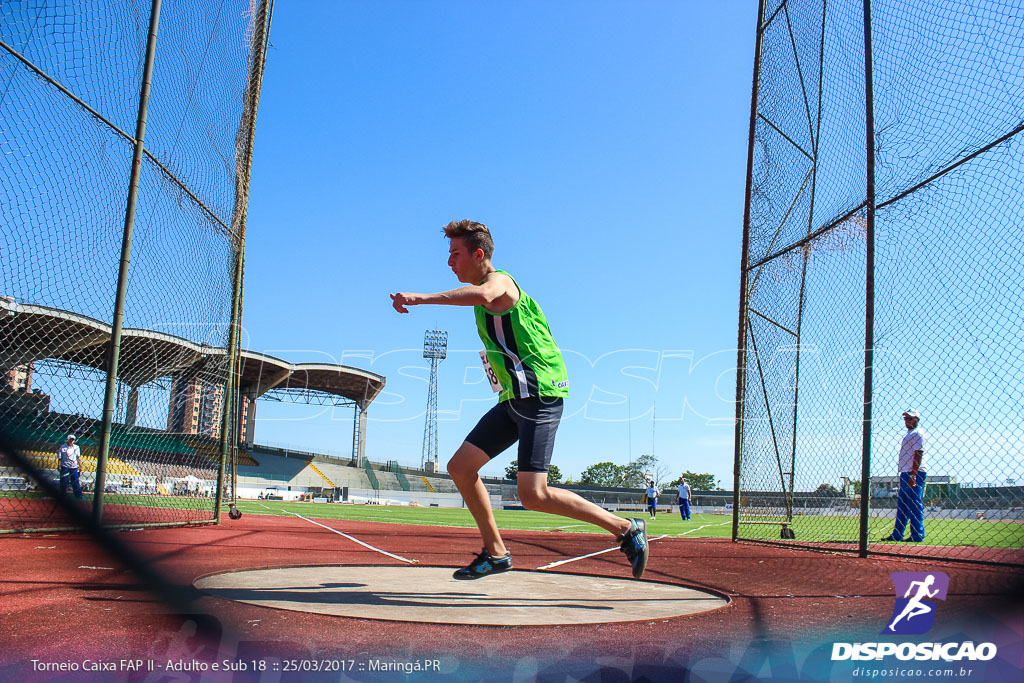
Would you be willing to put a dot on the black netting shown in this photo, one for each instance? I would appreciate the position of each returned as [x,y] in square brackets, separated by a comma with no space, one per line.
[948,106]
[70,81]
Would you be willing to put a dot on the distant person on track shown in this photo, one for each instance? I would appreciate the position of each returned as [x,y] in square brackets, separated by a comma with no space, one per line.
[70,462]
[525,365]
[684,500]
[652,499]
[910,498]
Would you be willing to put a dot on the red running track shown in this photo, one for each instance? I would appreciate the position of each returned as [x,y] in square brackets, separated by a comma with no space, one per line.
[64,599]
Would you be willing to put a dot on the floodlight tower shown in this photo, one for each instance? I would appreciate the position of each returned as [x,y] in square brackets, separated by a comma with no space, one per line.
[435,347]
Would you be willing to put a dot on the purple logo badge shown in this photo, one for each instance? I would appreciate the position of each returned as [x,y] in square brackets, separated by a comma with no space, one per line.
[916,593]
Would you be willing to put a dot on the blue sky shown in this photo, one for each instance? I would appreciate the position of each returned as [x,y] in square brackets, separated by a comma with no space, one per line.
[605,146]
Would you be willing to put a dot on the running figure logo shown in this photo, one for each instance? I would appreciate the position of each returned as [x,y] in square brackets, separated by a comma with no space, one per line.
[914,612]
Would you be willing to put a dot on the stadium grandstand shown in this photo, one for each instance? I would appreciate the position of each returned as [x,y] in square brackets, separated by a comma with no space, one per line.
[284,474]
[181,456]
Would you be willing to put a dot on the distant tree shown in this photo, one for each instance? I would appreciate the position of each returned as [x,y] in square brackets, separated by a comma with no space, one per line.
[637,473]
[698,482]
[602,474]
[512,472]
[827,490]
[851,486]
[661,473]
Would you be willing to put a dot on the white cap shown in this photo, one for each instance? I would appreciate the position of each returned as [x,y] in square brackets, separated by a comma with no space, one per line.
[71,437]
[912,413]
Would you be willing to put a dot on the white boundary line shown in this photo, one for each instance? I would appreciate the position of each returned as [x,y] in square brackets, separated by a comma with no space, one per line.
[354,540]
[702,526]
[599,552]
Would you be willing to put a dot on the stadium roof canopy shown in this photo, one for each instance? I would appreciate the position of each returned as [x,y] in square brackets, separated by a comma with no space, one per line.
[261,373]
[31,333]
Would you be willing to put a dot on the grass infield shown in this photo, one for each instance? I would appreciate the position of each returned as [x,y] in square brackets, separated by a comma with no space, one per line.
[837,529]
[506,519]
[940,532]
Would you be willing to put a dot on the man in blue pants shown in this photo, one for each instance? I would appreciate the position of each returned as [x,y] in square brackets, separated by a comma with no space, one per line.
[913,474]
[69,457]
[684,499]
[652,499]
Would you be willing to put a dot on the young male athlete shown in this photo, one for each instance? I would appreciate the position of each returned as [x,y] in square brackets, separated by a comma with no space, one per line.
[526,365]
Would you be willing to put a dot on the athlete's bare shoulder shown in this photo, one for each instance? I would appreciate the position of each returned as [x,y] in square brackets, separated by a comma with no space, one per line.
[504,290]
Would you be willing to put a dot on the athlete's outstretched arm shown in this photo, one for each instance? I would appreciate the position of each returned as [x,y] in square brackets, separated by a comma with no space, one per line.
[493,286]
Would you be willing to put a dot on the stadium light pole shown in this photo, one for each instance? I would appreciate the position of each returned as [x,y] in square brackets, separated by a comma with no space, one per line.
[435,348]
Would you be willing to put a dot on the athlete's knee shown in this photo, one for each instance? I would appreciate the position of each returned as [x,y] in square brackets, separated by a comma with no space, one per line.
[532,499]
[466,461]
[457,468]
[533,495]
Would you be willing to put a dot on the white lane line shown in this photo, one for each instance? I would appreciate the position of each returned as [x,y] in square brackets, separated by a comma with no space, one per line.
[87,567]
[599,552]
[703,526]
[403,520]
[279,514]
[355,540]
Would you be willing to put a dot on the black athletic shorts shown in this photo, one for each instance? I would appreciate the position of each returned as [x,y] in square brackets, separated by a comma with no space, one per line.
[531,421]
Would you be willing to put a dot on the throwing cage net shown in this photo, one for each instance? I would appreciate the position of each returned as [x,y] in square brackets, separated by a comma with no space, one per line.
[126,133]
[882,271]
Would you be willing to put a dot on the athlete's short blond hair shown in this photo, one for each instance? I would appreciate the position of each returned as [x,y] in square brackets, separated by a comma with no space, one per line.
[474,235]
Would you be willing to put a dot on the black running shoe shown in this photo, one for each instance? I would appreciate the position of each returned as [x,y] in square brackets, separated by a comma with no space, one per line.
[485,564]
[634,544]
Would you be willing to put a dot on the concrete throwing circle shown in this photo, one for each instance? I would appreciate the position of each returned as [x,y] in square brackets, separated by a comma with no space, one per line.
[431,595]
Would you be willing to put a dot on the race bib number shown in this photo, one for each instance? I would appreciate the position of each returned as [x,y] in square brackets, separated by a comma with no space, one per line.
[491,377]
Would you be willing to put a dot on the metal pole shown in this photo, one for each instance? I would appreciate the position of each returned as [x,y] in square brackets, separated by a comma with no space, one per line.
[114,354]
[816,133]
[433,410]
[741,342]
[796,378]
[359,435]
[230,387]
[355,437]
[869,289]
[228,432]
